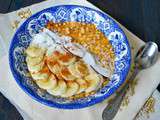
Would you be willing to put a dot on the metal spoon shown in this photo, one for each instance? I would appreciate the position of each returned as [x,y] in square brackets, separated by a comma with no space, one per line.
[145,58]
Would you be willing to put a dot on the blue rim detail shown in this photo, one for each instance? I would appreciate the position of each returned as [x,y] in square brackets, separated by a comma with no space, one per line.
[68,105]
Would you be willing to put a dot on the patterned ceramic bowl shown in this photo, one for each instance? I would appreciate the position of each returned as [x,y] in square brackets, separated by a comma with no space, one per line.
[36,22]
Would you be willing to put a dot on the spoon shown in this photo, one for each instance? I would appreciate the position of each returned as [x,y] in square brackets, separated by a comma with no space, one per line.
[145,58]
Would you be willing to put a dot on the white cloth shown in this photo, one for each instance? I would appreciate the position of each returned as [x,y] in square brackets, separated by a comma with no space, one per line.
[33,110]
[150,110]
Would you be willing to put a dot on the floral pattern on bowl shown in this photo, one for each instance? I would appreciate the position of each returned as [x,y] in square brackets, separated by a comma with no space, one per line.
[35,23]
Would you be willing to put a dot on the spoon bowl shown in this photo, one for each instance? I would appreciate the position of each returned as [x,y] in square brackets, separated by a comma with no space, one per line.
[146,56]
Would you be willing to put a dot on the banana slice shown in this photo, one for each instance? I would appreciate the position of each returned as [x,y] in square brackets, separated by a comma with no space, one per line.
[42,74]
[35,68]
[59,90]
[58,75]
[50,83]
[55,51]
[67,59]
[72,89]
[54,66]
[73,71]
[34,60]
[81,68]
[94,82]
[52,62]
[65,73]
[82,85]
[35,51]
[54,54]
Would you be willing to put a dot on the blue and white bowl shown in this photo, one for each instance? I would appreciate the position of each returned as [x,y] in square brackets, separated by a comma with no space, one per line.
[36,22]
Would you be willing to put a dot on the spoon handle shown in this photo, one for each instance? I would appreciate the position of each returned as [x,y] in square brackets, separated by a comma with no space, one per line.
[113,107]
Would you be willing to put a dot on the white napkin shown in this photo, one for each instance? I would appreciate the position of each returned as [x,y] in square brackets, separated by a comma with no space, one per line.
[150,110]
[33,110]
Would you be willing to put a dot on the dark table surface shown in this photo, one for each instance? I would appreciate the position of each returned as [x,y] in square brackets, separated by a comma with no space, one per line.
[142,17]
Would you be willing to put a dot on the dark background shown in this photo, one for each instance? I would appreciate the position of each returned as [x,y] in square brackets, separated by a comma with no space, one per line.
[141,17]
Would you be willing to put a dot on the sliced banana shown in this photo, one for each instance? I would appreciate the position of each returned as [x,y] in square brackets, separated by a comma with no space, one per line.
[58,75]
[55,51]
[73,71]
[42,74]
[54,66]
[82,85]
[50,83]
[81,68]
[67,59]
[54,54]
[35,51]
[65,73]
[94,81]
[72,89]
[34,60]
[39,76]
[35,68]
[52,62]
[60,89]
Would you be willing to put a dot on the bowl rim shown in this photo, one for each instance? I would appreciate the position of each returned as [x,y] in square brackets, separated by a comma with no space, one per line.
[68,105]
